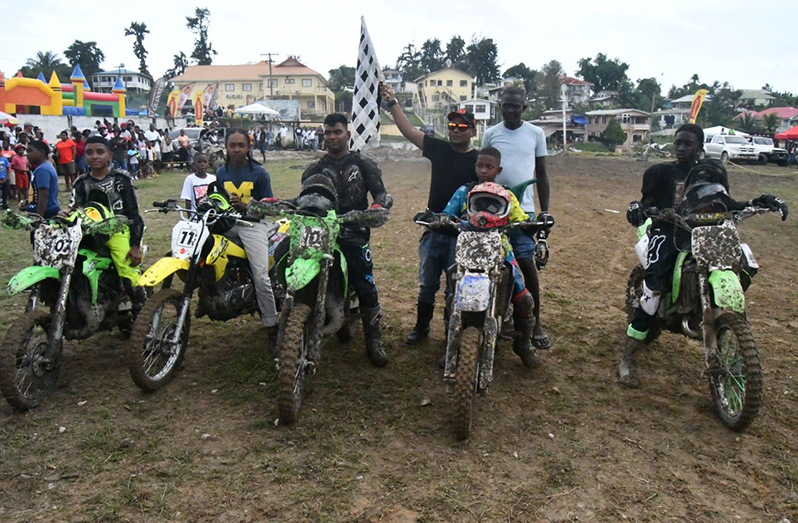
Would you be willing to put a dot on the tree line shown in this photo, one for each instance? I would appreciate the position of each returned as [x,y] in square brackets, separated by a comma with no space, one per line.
[90,57]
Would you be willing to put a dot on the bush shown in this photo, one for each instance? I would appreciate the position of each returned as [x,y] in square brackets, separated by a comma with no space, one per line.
[613,135]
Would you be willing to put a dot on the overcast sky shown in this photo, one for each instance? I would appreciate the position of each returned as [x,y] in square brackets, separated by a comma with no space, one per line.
[744,42]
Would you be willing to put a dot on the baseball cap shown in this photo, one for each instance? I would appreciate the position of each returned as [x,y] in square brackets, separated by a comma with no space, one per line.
[19,146]
[468,116]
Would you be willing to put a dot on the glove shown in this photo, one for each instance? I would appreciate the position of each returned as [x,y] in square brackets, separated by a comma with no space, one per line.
[541,254]
[375,206]
[636,214]
[773,203]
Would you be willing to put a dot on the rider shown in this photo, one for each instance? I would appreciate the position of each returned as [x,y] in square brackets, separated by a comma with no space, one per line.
[488,167]
[664,187]
[354,175]
[244,178]
[125,247]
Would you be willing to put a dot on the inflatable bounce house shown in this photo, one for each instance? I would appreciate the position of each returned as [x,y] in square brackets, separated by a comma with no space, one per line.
[35,96]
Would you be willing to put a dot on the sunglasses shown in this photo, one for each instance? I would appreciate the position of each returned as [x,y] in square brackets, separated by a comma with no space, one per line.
[462,127]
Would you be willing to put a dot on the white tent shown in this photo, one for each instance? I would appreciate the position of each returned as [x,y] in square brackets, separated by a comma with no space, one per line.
[257,109]
[719,129]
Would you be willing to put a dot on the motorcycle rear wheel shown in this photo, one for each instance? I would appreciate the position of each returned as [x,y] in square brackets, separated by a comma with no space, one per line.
[292,347]
[735,379]
[634,290]
[152,360]
[465,387]
[29,364]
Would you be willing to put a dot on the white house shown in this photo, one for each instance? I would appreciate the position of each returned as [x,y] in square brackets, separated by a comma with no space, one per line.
[103,82]
[483,110]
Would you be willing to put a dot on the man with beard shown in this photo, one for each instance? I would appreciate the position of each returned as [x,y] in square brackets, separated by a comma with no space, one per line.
[354,175]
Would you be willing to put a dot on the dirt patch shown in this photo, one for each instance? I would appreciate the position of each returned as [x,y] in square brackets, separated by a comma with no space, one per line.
[560,443]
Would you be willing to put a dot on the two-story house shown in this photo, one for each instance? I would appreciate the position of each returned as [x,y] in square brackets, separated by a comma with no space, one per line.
[484,112]
[241,85]
[635,123]
[551,123]
[606,99]
[788,117]
[576,91]
[397,81]
[442,90]
[134,81]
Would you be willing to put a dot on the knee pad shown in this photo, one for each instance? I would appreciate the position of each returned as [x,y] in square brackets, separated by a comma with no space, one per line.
[649,301]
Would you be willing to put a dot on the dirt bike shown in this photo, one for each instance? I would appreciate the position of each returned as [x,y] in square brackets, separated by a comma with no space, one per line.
[706,302]
[75,291]
[209,264]
[318,297]
[481,286]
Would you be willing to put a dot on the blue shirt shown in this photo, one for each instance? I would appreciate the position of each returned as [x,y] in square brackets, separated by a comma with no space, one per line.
[4,166]
[249,181]
[45,177]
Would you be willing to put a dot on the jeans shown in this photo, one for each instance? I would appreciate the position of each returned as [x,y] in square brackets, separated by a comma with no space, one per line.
[4,192]
[120,164]
[255,241]
[436,254]
[523,245]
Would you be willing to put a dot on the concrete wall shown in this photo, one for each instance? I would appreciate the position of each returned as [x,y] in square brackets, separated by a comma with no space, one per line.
[53,125]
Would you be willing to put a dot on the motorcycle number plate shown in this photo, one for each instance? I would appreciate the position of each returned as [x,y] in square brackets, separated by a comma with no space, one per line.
[185,237]
[56,246]
[473,293]
[312,238]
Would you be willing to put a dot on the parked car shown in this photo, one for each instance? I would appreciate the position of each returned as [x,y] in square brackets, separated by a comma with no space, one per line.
[768,153]
[194,134]
[725,147]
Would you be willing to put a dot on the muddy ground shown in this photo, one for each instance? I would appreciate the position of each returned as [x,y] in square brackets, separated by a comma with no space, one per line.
[560,443]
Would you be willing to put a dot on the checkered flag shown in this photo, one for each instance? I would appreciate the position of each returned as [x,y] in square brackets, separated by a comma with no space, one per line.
[365,101]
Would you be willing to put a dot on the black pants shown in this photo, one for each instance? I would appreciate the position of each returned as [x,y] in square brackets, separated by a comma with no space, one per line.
[355,247]
[661,256]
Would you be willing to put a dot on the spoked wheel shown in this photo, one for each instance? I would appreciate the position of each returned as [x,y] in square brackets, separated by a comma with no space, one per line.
[29,364]
[465,387]
[634,290]
[153,357]
[735,378]
[292,346]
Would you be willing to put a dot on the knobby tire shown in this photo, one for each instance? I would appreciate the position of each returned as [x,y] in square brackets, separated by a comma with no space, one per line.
[465,387]
[292,347]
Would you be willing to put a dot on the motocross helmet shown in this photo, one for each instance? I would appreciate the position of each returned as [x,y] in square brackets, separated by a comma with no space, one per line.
[705,197]
[217,197]
[488,206]
[318,195]
[98,207]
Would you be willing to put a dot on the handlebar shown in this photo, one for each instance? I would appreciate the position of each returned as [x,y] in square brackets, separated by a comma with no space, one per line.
[447,221]
[211,215]
[696,219]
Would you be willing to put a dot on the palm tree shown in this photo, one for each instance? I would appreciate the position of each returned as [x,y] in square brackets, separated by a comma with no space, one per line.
[748,123]
[771,122]
[46,60]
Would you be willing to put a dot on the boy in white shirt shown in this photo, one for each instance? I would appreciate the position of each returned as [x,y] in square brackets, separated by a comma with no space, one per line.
[195,186]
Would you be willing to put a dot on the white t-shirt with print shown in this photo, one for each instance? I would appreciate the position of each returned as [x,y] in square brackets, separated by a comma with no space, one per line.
[195,188]
[519,148]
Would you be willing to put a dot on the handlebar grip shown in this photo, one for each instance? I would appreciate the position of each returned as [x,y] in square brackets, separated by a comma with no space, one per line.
[159,205]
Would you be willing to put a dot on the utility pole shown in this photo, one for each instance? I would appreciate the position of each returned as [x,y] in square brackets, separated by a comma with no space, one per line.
[564,90]
[271,86]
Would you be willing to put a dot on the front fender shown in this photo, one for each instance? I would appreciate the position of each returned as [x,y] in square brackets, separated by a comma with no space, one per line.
[727,290]
[159,272]
[31,276]
[473,292]
[302,272]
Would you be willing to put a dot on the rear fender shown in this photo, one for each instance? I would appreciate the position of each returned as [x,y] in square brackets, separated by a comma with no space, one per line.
[677,276]
[727,290]
[30,276]
[161,270]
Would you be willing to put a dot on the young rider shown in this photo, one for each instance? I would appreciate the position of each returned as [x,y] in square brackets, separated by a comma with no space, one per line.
[125,247]
[664,188]
[488,167]
[354,176]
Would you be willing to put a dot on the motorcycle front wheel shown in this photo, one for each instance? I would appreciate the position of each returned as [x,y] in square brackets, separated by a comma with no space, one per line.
[153,359]
[735,374]
[465,387]
[292,347]
[29,364]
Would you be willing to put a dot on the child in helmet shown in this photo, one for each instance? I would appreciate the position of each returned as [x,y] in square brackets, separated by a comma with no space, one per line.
[488,167]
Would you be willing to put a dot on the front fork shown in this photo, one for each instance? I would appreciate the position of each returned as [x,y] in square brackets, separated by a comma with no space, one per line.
[708,321]
[192,282]
[59,317]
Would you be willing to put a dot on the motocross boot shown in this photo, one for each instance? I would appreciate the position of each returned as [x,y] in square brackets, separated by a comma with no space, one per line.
[423,318]
[373,332]
[627,370]
[524,323]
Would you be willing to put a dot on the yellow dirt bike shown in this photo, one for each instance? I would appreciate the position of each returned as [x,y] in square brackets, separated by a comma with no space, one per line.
[208,263]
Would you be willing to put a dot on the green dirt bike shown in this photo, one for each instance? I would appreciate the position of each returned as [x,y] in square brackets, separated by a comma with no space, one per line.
[75,280]
[318,298]
[706,302]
